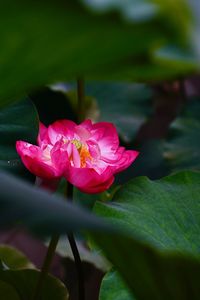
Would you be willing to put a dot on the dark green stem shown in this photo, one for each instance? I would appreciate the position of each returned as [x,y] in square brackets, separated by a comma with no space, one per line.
[81,99]
[46,266]
[78,264]
[74,248]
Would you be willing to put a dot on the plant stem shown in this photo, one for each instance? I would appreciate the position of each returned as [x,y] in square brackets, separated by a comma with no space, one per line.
[81,98]
[74,248]
[78,264]
[46,266]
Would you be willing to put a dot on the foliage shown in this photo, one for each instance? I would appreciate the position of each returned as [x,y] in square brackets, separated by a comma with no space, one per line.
[114,288]
[182,146]
[159,212]
[75,38]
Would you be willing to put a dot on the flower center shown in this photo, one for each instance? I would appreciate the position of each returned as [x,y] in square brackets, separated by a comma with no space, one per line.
[84,155]
[77,143]
[83,152]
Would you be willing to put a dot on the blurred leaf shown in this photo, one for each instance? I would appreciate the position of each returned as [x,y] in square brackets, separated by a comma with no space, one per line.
[177,17]
[181,150]
[151,67]
[90,105]
[52,105]
[126,8]
[125,105]
[13,258]
[150,162]
[176,58]
[17,122]
[24,282]
[40,210]
[7,292]
[113,288]
[62,40]
[195,9]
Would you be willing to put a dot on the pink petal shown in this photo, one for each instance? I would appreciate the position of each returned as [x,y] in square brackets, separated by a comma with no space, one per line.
[76,157]
[106,133]
[87,124]
[113,158]
[42,135]
[32,158]
[24,148]
[99,166]
[99,188]
[126,160]
[59,129]
[59,157]
[88,180]
[94,149]
[106,136]
[82,133]
[69,149]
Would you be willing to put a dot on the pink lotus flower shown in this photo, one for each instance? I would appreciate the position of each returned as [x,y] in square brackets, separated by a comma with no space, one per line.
[87,155]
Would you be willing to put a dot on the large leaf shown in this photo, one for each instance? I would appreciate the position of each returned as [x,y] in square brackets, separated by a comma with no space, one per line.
[17,122]
[7,292]
[113,288]
[45,41]
[166,214]
[24,282]
[151,274]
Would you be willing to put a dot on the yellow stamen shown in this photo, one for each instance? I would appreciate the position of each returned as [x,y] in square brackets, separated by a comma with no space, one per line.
[76,143]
